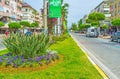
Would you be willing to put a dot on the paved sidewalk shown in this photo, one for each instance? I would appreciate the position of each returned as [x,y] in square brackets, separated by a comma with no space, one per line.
[105,37]
[2,35]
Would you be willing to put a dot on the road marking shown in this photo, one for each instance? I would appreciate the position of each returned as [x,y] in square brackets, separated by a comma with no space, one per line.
[94,64]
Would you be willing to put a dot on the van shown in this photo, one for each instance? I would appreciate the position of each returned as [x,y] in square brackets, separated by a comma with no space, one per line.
[92,32]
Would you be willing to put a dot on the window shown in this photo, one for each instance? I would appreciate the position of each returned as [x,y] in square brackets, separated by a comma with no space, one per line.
[118,11]
[92,30]
[7,11]
[117,33]
[26,10]
[119,4]
[112,0]
[7,2]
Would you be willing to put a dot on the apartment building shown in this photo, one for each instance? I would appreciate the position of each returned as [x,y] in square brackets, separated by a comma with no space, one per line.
[104,7]
[85,17]
[10,10]
[38,18]
[28,13]
[115,8]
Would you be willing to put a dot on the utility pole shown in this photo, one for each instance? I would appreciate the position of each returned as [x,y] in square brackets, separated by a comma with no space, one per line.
[45,16]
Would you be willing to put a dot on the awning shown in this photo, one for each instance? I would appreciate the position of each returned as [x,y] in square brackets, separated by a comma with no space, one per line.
[13,16]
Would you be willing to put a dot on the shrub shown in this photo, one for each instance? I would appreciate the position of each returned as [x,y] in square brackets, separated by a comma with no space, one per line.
[1,24]
[27,50]
[28,46]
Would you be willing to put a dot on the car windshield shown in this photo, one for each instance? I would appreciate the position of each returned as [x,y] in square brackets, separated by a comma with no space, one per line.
[92,30]
[118,33]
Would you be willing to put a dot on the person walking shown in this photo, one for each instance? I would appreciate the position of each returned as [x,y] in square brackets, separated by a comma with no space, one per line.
[6,33]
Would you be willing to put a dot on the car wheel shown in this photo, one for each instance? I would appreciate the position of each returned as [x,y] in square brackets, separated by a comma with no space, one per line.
[118,40]
[111,39]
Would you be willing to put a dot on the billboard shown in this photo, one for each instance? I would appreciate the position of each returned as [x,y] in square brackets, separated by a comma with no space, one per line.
[55,8]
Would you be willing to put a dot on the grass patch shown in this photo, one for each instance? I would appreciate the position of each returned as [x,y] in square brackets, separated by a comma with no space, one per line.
[75,65]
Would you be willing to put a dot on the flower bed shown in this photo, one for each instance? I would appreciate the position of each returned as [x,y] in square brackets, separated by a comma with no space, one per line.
[27,50]
[20,60]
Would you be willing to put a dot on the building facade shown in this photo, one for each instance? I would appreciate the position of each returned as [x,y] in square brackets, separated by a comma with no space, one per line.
[10,10]
[16,10]
[115,8]
[27,11]
[30,14]
[84,19]
[104,7]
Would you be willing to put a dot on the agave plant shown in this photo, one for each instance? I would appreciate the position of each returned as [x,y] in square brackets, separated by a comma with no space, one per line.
[29,46]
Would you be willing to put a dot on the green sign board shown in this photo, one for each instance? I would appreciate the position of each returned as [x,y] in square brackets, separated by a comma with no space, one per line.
[55,8]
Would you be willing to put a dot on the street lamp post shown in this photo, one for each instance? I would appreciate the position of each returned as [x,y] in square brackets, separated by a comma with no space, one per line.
[45,15]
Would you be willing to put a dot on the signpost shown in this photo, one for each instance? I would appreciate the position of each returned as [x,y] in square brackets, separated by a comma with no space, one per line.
[55,8]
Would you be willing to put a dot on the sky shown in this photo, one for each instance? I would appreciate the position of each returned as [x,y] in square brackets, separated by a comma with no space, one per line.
[77,8]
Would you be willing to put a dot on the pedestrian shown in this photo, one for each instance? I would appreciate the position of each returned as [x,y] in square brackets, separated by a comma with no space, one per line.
[6,33]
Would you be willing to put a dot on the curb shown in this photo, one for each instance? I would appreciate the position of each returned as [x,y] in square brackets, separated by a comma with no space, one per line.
[102,73]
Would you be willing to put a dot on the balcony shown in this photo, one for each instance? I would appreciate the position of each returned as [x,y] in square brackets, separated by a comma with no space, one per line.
[106,9]
[108,15]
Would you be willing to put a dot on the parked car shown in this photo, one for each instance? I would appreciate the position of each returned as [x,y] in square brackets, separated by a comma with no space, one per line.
[77,31]
[116,36]
[28,33]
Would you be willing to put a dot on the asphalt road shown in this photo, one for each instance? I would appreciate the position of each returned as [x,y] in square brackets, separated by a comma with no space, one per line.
[105,53]
[1,44]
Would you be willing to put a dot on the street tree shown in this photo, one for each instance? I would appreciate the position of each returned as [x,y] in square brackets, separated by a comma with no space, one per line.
[24,24]
[74,26]
[94,18]
[64,17]
[116,22]
[84,26]
[79,24]
[34,25]
[104,27]
[14,26]
[1,24]
[95,23]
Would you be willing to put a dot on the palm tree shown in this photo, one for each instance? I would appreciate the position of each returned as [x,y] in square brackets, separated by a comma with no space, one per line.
[64,16]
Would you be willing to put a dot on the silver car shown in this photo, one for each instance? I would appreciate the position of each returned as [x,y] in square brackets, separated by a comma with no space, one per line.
[116,37]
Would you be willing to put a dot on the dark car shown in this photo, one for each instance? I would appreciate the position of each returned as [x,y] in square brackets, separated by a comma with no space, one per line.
[116,37]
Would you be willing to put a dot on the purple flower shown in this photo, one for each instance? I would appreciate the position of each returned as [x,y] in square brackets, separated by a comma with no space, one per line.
[30,59]
[22,59]
[39,58]
[1,60]
[15,57]
[48,56]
